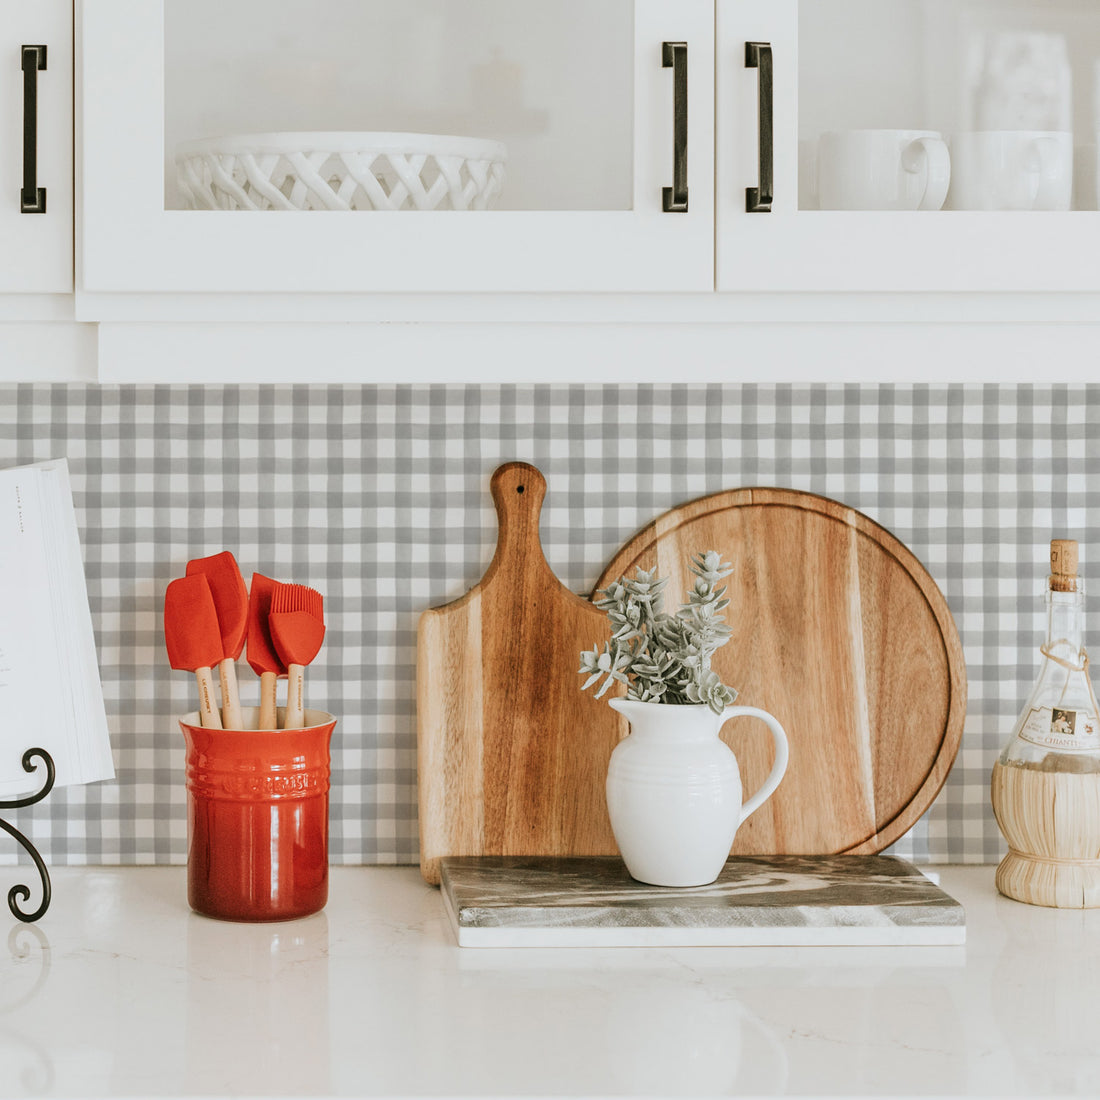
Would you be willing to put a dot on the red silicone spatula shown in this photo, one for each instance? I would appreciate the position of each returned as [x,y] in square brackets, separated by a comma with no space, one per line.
[261,649]
[297,624]
[193,639]
[231,603]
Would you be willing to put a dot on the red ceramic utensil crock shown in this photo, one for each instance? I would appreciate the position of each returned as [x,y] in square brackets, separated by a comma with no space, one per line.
[257,819]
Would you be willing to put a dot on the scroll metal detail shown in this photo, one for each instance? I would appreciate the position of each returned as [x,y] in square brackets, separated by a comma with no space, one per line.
[21,893]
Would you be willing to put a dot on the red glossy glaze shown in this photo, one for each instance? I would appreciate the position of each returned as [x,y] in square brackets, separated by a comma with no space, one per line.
[257,820]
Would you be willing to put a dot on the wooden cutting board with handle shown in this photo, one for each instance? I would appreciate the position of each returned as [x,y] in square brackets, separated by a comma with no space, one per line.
[840,632]
[511,754]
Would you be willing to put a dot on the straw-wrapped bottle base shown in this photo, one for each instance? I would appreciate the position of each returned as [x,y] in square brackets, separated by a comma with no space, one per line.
[1051,821]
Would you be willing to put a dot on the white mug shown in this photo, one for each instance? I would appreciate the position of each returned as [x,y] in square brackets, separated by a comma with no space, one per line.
[1011,170]
[882,170]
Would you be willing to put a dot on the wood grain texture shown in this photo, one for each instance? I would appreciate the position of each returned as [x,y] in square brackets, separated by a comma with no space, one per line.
[511,755]
[838,631]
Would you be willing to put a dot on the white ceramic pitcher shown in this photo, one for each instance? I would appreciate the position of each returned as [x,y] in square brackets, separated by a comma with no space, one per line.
[674,790]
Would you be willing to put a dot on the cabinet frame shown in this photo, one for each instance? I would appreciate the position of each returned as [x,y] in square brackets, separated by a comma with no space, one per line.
[37,253]
[130,248]
[130,243]
[868,252]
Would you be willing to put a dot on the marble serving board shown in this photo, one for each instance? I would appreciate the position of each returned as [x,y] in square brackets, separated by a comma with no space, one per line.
[515,901]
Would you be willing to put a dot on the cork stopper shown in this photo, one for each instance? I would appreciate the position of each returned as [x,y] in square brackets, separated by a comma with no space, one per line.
[1063,565]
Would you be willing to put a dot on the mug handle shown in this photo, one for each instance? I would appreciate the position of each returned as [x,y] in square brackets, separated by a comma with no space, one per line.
[932,154]
[781,755]
[1042,164]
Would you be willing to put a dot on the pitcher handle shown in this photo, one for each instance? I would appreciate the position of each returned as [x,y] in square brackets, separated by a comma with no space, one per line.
[781,755]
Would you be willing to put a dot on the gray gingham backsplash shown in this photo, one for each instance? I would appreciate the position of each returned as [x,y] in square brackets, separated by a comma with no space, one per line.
[379,497]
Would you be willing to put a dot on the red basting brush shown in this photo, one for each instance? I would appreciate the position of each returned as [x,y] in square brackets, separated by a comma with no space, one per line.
[297,623]
[231,603]
[193,639]
[261,650]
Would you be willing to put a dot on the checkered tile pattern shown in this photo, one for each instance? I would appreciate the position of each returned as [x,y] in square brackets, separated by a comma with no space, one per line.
[378,496]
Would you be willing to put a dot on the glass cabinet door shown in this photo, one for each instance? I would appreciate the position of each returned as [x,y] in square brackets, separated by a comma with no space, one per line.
[36,164]
[396,145]
[919,145]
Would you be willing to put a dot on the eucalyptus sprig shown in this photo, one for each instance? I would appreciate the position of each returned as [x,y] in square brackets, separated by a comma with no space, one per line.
[662,657]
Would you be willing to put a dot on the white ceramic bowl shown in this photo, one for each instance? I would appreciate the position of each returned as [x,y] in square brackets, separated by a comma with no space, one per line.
[341,171]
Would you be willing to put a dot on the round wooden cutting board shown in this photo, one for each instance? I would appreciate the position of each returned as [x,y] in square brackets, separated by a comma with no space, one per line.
[839,631]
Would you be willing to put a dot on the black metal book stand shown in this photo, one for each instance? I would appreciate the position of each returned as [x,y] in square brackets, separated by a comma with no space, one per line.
[20,892]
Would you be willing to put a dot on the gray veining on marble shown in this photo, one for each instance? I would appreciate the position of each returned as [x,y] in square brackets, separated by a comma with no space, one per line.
[512,900]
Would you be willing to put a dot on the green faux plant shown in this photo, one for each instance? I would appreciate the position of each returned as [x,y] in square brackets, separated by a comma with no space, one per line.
[663,657]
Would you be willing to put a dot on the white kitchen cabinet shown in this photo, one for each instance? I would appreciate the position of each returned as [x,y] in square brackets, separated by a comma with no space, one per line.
[36,161]
[579,94]
[1013,87]
[595,124]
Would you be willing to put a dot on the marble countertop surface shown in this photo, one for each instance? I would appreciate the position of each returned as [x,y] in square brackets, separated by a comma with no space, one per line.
[120,990]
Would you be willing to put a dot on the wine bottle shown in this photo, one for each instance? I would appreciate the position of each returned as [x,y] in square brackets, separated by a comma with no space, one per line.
[1046,783]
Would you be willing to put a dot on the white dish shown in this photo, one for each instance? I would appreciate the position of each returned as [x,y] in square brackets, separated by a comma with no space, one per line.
[343,170]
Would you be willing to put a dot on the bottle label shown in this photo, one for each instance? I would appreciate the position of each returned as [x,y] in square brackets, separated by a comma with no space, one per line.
[1054,728]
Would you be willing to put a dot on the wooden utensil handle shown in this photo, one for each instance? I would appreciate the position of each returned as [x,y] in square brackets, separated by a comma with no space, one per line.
[268,702]
[295,707]
[231,699]
[208,712]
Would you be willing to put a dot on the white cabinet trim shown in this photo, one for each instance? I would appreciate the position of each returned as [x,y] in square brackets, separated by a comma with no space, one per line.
[663,354]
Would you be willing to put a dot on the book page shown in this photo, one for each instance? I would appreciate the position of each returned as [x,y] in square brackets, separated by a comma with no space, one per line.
[50,692]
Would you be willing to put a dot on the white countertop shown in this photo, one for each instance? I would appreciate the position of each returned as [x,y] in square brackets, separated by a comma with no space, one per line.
[121,991]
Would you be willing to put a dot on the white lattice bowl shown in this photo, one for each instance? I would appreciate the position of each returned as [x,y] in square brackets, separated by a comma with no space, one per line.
[341,171]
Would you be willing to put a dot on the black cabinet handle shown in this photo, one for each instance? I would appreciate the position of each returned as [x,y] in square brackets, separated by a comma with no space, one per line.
[675,57]
[758,55]
[32,198]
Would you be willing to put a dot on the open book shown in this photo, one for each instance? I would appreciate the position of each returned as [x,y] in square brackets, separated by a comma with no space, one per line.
[50,692]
